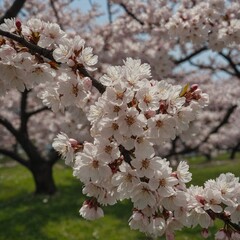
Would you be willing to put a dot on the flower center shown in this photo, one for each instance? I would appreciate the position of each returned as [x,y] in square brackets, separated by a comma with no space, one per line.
[130,120]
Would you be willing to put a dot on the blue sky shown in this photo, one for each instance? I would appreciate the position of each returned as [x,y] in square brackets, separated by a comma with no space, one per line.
[85,5]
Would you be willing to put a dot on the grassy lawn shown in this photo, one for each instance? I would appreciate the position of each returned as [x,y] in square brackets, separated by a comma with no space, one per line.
[24,216]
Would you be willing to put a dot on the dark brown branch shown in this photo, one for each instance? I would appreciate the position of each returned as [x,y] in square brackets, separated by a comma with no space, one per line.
[131,14]
[231,63]
[224,121]
[13,10]
[44,108]
[100,87]
[15,156]
[189,149]
[186,58]
[224,218]
[4,122]
[34,49]
[126,154]
[210,67]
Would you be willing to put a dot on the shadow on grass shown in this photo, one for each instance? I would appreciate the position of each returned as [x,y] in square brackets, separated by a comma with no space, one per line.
[26,214]
[27,217]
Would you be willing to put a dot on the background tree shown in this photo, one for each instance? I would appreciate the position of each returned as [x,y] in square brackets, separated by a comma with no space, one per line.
[144,111]
[27,127]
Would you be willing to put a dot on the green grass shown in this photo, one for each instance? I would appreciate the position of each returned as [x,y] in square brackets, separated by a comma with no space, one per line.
[24,216]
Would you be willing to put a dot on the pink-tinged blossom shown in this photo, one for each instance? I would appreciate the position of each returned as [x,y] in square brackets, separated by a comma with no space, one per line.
[71,90]
[112,76]
[132,123]
[140,219]
[107,150]
[143,196]
[148,98]
[163,182]
[51,34]
[91,211]
[234,212]
[221,235]
[63,146]
[109,128]
[134,72]
[125,180]
[118,94]
[143,147]
[9,25]
[89,167]
[161,128]
[146,167]
[213,200]
[51,99]
[63,52]
[182,172]
[87,58]
[34,25]
[175,202]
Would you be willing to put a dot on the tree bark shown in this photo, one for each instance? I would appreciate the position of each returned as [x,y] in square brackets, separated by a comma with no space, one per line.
[234,151]
[43,177]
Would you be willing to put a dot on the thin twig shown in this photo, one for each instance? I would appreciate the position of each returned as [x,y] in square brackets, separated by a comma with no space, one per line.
[190,56]
[231,63]
[56,14]
[131,14]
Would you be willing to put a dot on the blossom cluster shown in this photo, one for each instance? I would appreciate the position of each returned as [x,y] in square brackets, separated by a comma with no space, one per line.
[207,21]
[21,69]
[132,117]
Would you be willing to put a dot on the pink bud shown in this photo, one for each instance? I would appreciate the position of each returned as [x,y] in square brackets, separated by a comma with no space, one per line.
[200,199]
[194,87]
[73,142]
[150,113]
[18,24]
[87,83]
[220,235]
[204,233]
[170,236]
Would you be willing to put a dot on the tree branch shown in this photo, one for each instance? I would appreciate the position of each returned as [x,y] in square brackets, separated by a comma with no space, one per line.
[13,10]
[225,119]
[190,56]
[201,66]
[131,14]
[4,122]
[100,87]
[35,49]
[126,154]
[231,63]
[15,156]
[44,108]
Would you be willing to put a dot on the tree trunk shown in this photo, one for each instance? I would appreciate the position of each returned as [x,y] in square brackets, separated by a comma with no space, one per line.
[208,157]
[233,154]
[234,151]
[43,178]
